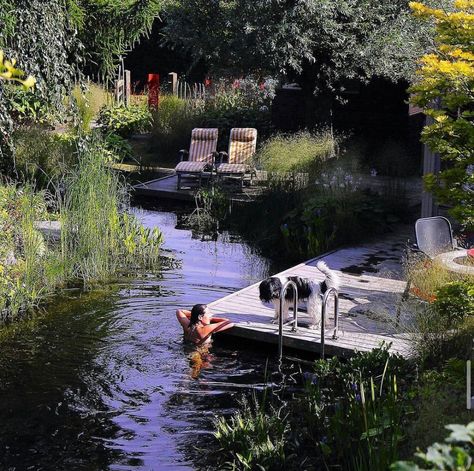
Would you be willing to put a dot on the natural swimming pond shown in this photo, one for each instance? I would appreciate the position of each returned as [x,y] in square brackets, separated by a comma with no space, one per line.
[102,381]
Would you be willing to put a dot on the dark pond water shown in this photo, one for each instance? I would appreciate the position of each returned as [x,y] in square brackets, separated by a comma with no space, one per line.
[102,380]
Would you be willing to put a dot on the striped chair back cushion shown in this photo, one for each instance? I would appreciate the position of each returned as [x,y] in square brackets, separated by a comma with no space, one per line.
[242,145]
[203,143]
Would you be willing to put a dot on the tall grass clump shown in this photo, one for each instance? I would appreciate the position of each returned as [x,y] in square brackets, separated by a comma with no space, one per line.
[88,101]
[99,239]
[42,156]
[303,152]
[172,123]
[23,250]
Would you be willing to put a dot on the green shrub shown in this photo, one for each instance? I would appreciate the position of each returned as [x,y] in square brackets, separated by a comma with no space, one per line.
[212,208]
[301,152]
[456,454]
[227,118]
[350,415]
[98,239]
[88,100]
[320,222]
[42,156]
[172,124]
[455,302]
[123,120]
[440,398]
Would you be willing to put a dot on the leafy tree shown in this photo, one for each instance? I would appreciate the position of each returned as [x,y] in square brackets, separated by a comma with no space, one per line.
[57,41]
[117,25]
[319,42]
[444,87]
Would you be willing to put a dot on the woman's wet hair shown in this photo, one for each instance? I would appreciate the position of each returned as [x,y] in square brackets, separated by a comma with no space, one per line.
[197,311]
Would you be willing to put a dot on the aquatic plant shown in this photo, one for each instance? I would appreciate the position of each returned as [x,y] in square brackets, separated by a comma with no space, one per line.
[253,438]
[99,239]
[349,414]
[212,208]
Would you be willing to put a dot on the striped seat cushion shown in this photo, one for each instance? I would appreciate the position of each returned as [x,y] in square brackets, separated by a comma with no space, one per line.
[242,145]
[203,144]
[192,167]
[233,168]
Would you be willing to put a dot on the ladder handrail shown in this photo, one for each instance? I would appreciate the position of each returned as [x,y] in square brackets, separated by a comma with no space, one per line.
[295,314]
[330,291]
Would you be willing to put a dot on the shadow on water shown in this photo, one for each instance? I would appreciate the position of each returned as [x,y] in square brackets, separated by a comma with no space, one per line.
[102,380]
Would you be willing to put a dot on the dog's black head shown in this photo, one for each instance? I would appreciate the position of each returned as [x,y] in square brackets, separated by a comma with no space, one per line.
[270,289]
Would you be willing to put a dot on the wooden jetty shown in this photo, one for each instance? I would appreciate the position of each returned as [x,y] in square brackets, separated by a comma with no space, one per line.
[166,187]
[367,311]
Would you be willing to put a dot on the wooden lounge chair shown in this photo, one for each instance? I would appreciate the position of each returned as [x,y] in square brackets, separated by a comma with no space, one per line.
[237,163]
[201,155]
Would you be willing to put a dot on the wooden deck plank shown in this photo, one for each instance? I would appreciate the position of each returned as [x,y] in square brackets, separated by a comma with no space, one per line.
[166,187]
[360,297]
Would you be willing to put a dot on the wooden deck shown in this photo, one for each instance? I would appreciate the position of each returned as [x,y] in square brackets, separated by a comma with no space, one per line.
[367,306]
[165,187]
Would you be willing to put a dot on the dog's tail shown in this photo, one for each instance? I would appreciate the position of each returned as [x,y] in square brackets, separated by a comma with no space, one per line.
[332,278]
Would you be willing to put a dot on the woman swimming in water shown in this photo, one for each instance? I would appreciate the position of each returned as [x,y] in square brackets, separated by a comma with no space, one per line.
[198,324]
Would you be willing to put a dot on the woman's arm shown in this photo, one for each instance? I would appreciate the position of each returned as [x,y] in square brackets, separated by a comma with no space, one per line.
[183,317]
[218,327]
[215,319]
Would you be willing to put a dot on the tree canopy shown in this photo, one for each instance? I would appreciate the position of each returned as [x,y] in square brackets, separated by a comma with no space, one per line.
[319,42]
[444,87]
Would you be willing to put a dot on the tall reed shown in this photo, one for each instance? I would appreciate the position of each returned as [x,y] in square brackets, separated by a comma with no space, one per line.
[99,239]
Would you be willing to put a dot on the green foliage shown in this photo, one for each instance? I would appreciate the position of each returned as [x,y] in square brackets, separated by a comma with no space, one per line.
[440,398]
[22,250]
[443,87]
[172,124]
[124,120]
[117,25]
[88,101]
[99,239]
[253,438]
[455,302]
[321,42]
[301,152]
[320,222]
[349,414]
[456,454]
[42,156]
[212,208]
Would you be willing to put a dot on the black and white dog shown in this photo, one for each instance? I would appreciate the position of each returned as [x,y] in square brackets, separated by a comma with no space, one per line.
[309,291]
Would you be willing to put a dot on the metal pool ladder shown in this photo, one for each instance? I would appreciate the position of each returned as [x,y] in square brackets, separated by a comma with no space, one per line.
[293,322]
[323,316]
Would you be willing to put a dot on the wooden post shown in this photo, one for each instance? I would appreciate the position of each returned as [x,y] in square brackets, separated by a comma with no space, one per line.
[174,82]
[431,164]
[127,87]
[119,91]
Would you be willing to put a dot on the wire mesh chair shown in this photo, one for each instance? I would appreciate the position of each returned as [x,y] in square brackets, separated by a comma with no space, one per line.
[434,235]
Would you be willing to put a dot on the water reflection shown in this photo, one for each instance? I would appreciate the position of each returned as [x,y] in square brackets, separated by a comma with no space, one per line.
[103,380]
